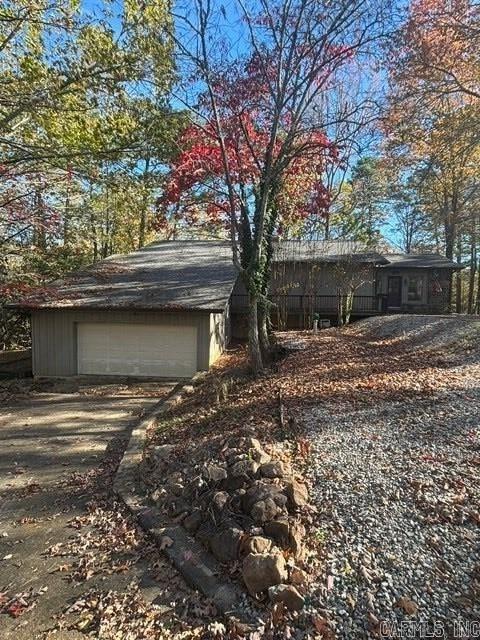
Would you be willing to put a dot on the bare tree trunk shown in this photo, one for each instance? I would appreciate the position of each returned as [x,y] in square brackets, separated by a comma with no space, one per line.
[39,231]
[449,248]
[263,329]
[327,226]
[254,349]
[93,226]
[142,229]
[473,271]
[478,288]
[348,307]
[458,280]
[340,309]
[66,220]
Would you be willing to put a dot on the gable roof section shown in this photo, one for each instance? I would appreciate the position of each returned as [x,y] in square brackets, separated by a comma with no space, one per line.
[195,274]
[335,250]
[170,275]
[420,261]
[325,251]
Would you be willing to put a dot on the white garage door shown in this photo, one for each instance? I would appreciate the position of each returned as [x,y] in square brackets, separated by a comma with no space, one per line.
[137,350]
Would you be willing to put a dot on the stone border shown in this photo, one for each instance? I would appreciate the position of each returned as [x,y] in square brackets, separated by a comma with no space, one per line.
[199,569]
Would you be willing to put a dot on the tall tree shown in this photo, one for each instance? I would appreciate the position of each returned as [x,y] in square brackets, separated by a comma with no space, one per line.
[85,129]
[443,53]
[255,105]
[434,115]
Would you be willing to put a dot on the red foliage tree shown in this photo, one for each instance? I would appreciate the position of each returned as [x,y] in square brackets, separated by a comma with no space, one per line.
[256,150]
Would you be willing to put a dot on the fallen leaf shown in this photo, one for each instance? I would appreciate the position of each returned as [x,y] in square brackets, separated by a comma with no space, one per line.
[63,567]
[374,623]
[409,606]
[16,608]
[322,626]
[165,543]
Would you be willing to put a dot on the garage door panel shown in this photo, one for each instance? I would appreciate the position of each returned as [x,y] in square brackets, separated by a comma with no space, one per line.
[137,349]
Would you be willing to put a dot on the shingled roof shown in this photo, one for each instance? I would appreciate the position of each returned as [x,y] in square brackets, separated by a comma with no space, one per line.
[325,251]
[193,274]
[420,261]
[171,275]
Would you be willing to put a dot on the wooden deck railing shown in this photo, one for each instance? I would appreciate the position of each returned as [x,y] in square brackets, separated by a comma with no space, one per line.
[311,303]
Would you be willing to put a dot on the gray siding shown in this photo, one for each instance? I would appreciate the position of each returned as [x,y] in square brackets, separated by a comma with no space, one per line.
[300,278]
[304,278]
[436,288]
[54,335]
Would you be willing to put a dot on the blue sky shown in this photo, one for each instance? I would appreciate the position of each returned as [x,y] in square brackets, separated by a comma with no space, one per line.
[235,31]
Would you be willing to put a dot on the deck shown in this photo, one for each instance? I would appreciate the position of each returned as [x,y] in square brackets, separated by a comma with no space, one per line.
[311,304]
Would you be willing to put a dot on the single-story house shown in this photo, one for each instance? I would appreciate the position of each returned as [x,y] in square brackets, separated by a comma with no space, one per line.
[169,309]
[308,275]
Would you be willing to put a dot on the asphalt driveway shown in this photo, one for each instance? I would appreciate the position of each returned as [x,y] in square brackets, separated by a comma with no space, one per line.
[61,532]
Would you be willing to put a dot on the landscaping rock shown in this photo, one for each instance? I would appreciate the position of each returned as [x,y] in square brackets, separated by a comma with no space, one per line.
[280,499]
[298,577]
[238,457]
[194,487]
[240,474]
[263,570]
[174,478]
[296,493]
[259,490]
[260,456]
[234,483]
[273,469]
[158,496]
[236,500]
[247,468]
[288,535]
[176,488]
[279,530]
[231,454]
[214,473]
[193,521]
[178,506]
[253,443]
[220,500]
[256,451]
[163,452]
[257,544]
[287,594]
[206,531]
[264,511]
[296,538]
[225,544]
[188,389]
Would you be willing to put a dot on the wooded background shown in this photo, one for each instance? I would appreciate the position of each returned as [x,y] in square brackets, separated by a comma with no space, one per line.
[117,128]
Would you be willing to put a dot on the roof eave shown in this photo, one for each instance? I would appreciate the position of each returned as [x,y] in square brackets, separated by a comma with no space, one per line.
[168,308]
[452,267]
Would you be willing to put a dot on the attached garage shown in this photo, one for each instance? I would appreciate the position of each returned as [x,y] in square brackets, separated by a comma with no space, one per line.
[160,312]
[136,350]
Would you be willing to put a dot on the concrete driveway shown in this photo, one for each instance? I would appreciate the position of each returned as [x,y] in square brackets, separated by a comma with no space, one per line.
[61,531]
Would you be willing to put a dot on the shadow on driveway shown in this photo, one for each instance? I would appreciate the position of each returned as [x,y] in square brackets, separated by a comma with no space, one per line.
[61,531]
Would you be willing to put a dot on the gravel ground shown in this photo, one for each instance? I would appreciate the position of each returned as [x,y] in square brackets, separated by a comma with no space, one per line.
[396,483]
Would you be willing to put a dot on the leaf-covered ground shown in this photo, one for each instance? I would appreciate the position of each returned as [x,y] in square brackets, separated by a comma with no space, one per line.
[395,475]
[383,419]
[73,563]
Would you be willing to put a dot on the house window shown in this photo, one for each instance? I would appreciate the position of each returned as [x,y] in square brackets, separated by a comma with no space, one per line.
[415,289]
